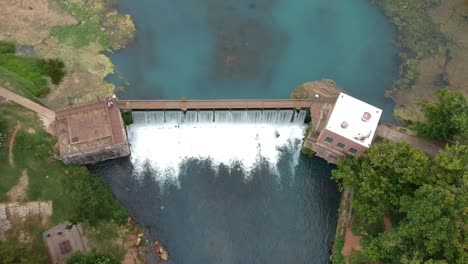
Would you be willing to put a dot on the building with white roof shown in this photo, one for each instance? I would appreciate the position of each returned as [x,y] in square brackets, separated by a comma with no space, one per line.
[350,129]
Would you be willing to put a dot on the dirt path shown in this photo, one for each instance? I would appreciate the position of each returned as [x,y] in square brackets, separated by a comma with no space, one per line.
[11,143]
[18,193]
[351,243]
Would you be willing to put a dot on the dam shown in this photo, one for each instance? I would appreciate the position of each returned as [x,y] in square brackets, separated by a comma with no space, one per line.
[96,132]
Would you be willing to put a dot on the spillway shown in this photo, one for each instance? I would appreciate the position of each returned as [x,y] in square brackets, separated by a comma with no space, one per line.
[162,140]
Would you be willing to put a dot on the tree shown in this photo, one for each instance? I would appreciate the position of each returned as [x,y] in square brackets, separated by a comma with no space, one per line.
[451,166]
[434,230]
[446,119]
[92,258]
[380,177]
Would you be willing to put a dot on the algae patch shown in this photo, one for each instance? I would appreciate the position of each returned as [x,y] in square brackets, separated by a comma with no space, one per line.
[76,32]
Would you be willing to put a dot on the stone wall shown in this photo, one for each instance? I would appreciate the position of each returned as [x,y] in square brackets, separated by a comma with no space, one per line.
[96,155]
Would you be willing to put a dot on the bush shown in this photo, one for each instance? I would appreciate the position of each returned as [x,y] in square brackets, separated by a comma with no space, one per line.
[92,258]
[12,252]
[91,199]
[7,47]
[53,68]
[127,118]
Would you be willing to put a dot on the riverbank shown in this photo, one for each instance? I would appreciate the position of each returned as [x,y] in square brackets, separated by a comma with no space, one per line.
[74,31]
[65,193]
[433,43]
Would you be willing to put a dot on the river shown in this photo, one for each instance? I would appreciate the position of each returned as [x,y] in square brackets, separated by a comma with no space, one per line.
[241,192]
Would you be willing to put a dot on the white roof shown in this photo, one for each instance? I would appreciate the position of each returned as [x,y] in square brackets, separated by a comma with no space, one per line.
[348,119]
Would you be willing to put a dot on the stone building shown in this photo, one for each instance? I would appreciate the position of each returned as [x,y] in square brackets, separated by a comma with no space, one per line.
[350,128]
[91,133]
[63,241]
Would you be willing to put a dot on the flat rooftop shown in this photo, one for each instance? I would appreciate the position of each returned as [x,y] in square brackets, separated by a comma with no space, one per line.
[89,127]
[354,119]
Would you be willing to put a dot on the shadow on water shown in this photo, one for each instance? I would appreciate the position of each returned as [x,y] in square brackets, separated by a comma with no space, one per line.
[218,215]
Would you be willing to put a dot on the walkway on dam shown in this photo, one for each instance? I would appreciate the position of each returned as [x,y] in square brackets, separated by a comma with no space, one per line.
[213,104]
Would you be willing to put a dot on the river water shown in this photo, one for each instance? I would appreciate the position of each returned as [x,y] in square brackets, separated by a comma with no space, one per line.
[240,192]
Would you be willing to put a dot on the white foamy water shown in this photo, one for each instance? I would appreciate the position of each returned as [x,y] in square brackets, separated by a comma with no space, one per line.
[164,146]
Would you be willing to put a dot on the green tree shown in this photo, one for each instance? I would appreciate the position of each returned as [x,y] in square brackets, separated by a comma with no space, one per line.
[90,199]
[92,257]
[451,165]
[434,230]
[446,119]
[380,177]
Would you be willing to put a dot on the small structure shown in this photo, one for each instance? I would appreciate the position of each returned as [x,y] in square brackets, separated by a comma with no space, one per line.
[349,129]
[63,241]
[91,133]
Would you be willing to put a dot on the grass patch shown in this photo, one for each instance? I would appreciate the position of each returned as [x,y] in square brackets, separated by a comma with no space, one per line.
[80,36]
[98,23]
[75,193]
[338,258]
[107,238]
[28,69]
[29,75]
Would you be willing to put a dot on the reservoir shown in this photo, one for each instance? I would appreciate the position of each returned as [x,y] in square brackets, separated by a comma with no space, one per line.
[238,190]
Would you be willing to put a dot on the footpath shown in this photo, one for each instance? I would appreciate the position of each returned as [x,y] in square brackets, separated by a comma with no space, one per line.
[47,116]
[398,134]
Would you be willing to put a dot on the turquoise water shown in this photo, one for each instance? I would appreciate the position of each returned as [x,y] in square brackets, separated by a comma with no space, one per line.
[282,210]
[256,49]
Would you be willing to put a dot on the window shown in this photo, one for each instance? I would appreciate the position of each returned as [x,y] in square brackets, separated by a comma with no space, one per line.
[340,145]
[352,150]
[328,139]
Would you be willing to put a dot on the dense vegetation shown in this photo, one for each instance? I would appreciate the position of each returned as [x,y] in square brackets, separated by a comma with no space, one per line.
[446,119]
[425,199]
[76,195]
[3,132]
[33,72]
[419,37]
[12,252]
[92,257]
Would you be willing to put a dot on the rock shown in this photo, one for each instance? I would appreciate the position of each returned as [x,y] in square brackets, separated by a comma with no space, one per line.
[325,88]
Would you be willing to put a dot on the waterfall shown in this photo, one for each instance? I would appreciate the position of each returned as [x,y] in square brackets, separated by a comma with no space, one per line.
[175,117]
[161,140]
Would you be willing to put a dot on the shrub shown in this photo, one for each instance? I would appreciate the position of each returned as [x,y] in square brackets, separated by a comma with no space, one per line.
[7,47]
[53,68]
[92,258]
[91,199]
